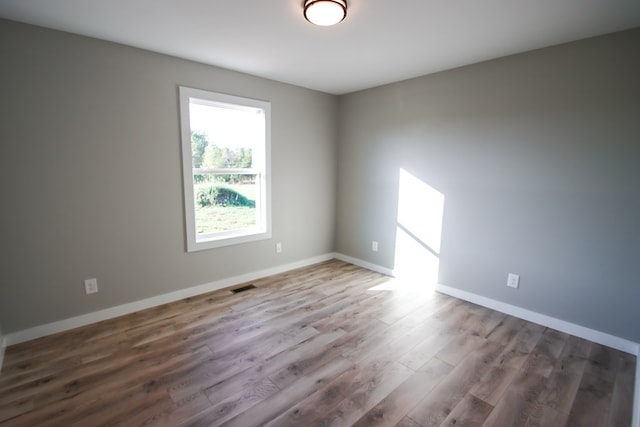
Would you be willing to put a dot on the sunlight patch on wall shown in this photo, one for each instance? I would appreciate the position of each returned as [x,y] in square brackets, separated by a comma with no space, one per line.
[418,231]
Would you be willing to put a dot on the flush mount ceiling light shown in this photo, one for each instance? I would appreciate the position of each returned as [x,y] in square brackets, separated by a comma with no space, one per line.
[325,12]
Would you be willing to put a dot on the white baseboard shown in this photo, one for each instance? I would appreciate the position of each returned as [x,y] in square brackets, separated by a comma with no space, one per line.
[364,264]
[3,345]
[544,320]
[109,313]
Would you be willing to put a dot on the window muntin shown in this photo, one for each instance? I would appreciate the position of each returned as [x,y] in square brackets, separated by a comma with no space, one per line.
[225,156]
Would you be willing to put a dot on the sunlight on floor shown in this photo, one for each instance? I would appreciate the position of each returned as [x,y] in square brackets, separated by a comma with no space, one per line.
[403,285]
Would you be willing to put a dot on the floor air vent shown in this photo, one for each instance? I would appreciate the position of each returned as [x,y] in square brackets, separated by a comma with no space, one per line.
[242,289]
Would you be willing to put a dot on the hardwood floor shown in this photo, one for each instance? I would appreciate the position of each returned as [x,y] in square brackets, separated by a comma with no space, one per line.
[321,346]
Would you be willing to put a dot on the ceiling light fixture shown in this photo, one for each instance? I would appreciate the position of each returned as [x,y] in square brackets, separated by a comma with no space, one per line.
[325,12]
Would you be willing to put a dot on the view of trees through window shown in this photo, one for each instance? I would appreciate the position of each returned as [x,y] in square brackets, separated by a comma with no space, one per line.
[223,201]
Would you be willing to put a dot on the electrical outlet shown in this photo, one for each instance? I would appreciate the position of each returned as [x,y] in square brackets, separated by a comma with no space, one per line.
[91,286]
[374,246]
[278,247]
[513,280]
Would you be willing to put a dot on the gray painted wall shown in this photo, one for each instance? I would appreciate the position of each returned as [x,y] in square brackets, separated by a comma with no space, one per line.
[91,181]
[2,348]
[537,156]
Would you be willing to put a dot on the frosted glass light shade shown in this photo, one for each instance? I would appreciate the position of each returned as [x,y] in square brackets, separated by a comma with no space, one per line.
[325,12]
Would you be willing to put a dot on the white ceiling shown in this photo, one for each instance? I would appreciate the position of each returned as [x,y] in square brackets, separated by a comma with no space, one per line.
[381,41]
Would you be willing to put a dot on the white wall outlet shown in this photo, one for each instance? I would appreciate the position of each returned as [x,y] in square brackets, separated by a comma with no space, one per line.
[374,246]
[91,286]
[278,247]
[513,280]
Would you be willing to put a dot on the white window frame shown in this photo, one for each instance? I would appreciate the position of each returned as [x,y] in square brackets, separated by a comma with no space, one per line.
[262,231]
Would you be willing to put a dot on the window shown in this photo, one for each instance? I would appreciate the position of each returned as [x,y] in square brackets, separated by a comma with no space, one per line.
[225,161]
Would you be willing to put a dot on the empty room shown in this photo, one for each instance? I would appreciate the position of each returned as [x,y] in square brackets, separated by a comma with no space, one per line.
[320,213]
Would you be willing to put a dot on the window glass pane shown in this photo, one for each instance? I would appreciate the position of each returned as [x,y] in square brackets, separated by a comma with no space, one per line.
[225,203]
[224,136]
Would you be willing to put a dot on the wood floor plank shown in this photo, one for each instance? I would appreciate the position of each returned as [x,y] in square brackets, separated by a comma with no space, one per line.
[623,387]
[520,399]
[604,361]
[518,402]
[15,408]
[407,422]
[397,344]
[306,364]
[372,382]
[459,348]
[545,416]
[331,344]
[594,396]
[470,412]
[590,407]
[390,410]
[180,411]
[106,398]
[270,366]
[233,405]
[425,349]
[506,330]
[317,404]
[225,365]
[271,407]
[430,304]
[493,383]
[437,405]
[563,383]
[487,321]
